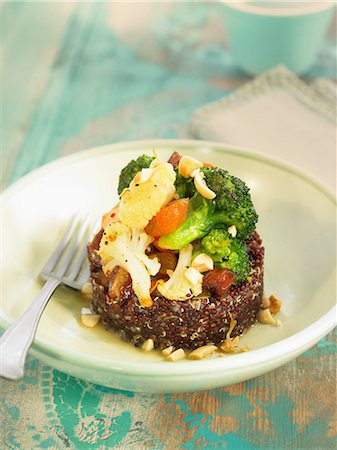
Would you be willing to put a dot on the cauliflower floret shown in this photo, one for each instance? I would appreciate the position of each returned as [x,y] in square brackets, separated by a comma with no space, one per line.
[180,286]
[111,216]
[144,199]
[121,246]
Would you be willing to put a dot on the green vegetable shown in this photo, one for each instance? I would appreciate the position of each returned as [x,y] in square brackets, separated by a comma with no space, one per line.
[227,252]
[128,173]
[231,206]
[216,244]
[198,222]
[184,186]
[232,199]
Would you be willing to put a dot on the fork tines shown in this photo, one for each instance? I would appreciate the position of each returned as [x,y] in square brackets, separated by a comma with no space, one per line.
[68,263]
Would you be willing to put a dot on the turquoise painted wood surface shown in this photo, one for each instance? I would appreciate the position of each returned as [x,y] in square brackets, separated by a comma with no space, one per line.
[75,75]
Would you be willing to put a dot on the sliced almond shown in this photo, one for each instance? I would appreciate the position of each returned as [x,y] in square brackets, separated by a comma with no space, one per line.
[168,350]
[193,275]
[176,355]
[90,320]
[187,165]
[148,345]
[203,262]
[201,186]
[202,352]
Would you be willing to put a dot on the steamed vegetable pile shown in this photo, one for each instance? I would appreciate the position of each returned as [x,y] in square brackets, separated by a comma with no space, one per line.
[173,225]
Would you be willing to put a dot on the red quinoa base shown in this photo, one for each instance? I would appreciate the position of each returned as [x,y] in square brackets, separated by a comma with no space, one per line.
[188,324]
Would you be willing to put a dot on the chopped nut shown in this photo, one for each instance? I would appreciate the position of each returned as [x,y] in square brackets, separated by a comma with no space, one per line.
[202,352]
[275,304]
[168,350]
[232,231]
[264,316]
[90,320]
[201,186]
[187,165]
[266,302]
[193,275]
[148,345]
[87,291]
[176,355]
[203,262]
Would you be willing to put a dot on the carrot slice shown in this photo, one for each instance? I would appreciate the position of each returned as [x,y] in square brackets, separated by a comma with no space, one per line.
[168,219]
[208,164]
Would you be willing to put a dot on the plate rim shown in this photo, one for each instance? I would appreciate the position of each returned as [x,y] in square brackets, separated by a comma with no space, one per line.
[248,360]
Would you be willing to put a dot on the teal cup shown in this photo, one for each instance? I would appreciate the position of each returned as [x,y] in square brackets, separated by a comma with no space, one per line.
[265,34]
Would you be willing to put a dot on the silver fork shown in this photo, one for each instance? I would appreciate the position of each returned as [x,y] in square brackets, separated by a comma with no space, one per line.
[66,266]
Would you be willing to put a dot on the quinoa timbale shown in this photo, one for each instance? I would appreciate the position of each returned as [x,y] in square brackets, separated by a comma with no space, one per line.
[188,324]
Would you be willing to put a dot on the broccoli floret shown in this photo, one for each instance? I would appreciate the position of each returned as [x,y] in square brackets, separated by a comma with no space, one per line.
[227,253]
[184,186]
[202,217]
[128,173]
[232,199]
[232,205]
[197,224]
[216,244]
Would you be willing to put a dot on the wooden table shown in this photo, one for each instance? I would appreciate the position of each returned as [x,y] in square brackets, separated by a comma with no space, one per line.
[79,75]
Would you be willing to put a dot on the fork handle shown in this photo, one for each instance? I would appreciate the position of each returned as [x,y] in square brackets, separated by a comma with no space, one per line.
[16,340]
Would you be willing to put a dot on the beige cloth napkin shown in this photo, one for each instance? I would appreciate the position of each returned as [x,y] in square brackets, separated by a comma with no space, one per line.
[279,115]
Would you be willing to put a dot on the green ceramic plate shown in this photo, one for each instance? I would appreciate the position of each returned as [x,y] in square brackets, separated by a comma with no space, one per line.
[297,224]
